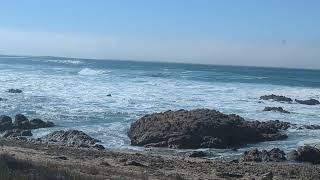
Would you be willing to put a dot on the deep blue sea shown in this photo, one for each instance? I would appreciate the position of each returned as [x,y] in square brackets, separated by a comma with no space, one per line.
[73,94]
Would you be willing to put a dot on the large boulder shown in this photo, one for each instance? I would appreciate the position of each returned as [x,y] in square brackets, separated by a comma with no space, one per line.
[305,154]
[308,102]
[21,122]
[276,109]
[276,98]
[71,138]
[263,156]
[14,91]
[5,122]
[202,128]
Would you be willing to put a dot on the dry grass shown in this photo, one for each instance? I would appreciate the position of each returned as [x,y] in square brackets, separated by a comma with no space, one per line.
[15,169]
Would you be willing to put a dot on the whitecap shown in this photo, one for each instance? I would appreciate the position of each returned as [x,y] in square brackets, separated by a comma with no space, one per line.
[92,72]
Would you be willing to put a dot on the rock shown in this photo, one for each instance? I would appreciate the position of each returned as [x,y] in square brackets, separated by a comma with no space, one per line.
[38,123]
[60,158]
[15,133]
[21,122]
[308,102]
[311,127]
[98,146]
[14,91]
[3,99]
[109,95]
[133,163]
[305,154]
[266,176]
[276,98]
[26,133]
[70,138]
[277,109]
[5,122]
[196,154]
[263,156]
[202,128]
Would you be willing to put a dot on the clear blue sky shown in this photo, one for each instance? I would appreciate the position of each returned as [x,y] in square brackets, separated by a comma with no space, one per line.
[200,31]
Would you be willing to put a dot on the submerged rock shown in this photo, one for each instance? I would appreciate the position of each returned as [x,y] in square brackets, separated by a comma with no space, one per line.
[263,156]
[276,98]
[308,102]
[305,154]
[71,138]
[202,128]
[277,109]
[14,91]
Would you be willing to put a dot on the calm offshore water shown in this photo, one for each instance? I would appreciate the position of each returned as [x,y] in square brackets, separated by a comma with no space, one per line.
[73,94]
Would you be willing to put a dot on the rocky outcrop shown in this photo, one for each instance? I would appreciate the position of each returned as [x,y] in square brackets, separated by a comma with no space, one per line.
[21,126]
[276,109]
[305,154]
[71,138]
[311,102]
[263,156]
[14,91]
[276,98]
[202,128]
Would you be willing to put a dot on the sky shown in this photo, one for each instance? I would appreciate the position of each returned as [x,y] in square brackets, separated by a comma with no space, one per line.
[278,33]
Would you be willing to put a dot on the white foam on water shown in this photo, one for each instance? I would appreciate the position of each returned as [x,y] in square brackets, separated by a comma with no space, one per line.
[92,72]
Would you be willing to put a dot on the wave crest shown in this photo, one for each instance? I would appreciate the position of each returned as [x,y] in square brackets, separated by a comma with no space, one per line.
[91,72]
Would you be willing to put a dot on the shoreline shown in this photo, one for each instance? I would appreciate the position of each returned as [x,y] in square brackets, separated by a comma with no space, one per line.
[110,164]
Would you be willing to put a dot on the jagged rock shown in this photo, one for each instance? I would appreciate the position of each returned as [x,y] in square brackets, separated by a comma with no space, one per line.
[5,122]
[308,102]
[305,154]
[196,154]
[202,128]
[15,133]
[21,122]
[263,156]
[14,91]
[277,109]
[276,98]
[71,138]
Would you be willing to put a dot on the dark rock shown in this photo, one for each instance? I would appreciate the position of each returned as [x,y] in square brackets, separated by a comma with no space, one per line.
[21,122]
[26,133]
[227,175]
[15,133]
[308,102]
[98,146]
[276,98]
[277,109]
[14,91]
[311,127]
[196,154]
[133,163]
[202,128]
[60,158]
[305,154]
[5,122]
[263,156]
[38,123]
[109,95]
[70,138]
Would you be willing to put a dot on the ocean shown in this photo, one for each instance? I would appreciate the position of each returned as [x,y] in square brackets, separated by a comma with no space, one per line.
[73,93]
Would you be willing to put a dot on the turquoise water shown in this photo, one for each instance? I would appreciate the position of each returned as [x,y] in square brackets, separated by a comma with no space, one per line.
[73,94]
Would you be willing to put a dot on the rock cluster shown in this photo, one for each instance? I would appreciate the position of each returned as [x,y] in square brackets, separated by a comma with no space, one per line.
[277,109]
[276,98]
[263,156]
[71,138]
[202,128]
[21,126]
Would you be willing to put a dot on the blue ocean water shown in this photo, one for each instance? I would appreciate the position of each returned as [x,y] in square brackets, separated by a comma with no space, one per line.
[73,94]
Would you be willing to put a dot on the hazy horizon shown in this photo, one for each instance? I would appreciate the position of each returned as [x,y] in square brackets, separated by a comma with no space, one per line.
[247,33]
